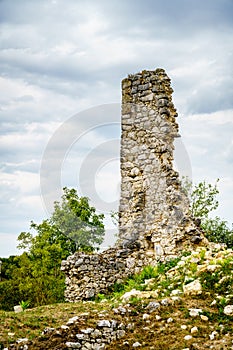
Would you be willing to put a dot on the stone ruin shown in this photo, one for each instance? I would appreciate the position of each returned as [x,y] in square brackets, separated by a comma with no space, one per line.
[154,218]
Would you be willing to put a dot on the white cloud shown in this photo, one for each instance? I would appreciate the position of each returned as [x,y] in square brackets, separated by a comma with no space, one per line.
[8,245]
[208,141]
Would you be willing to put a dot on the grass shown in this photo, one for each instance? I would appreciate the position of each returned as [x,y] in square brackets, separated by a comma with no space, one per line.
[32,322]
[153,332]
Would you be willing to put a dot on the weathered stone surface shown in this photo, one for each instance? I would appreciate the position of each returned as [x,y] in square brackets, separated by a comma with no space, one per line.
[153,208]
[193,288]
[228,310]
[18,308]
[154,219]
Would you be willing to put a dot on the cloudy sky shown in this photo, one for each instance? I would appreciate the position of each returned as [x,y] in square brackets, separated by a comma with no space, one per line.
[61,67]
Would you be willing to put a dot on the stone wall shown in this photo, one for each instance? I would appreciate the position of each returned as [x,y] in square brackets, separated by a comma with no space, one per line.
[154,210]
[87,275]
[154,220]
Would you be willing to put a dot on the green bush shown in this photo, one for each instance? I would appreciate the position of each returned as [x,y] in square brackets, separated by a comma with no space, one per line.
[9,295]
[203,201]
[217,230]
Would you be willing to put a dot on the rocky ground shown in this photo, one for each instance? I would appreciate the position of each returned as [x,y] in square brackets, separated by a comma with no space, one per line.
[183,304]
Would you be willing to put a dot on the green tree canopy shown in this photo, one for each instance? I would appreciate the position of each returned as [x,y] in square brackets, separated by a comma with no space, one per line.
[76,219]
[36,274]
[202,197]
[203,202]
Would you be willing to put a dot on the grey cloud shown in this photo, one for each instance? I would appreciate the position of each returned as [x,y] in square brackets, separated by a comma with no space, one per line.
[208,144]
[152,34]
[169,18]
[31,166]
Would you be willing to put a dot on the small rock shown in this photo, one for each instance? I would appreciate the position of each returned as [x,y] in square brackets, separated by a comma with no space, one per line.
[212,335]
[150,281]
[104,323]
[188,337]
[194,330]
[73,345]
[212,268]
[204,318]
[152,306]
[165,302]
[48,330]
[158,318]
[130,326]
[193,288]
[122,310]
[114,324]
[176,292]
[18,308]
[145,316]
[96,334]
[136,345]
[87,346]
[21,340]
[65,327]
[176,299]
[81,336]
[194,312]
[183,326]
[72,320]
[169,320]
[87,330]
[120,333]
[228,310]
[128,295]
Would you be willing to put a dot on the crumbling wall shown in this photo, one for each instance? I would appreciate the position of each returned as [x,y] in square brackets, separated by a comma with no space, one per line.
[154,220]
[154,210]
[90,274]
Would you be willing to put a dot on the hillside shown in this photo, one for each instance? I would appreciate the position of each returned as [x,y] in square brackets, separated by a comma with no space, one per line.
[186,303]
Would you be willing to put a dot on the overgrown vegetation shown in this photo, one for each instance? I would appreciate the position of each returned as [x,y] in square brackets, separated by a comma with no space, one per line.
[212,267]
[137,281]
[203,201]
[35,275]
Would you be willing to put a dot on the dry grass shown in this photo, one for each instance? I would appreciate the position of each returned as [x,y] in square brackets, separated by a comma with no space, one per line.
[31,322]
[152,333]
[155,332]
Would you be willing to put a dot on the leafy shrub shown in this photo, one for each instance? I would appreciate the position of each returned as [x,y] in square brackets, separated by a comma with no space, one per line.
[217,230]
[203,201]
[9,295]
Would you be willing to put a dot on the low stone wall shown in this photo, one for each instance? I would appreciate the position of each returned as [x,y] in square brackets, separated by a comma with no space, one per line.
[87,275]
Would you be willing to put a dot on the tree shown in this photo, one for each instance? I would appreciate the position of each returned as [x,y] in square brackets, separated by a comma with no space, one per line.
[36,276]
[217,230]
[202,197]
[76,219]
[202,202]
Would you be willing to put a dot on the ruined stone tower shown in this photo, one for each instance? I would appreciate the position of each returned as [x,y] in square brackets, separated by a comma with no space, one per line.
[153,207]
[154,220]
